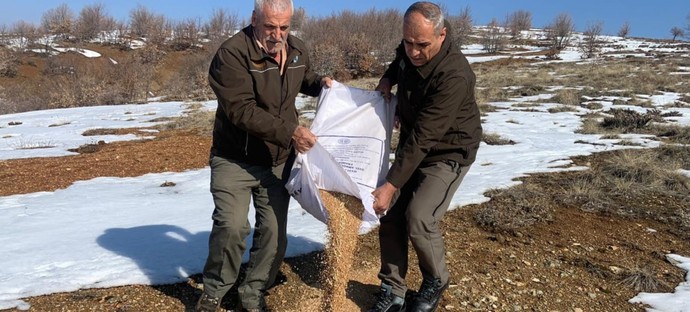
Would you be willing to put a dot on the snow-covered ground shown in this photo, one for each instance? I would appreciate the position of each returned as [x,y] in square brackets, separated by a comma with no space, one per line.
[118,231]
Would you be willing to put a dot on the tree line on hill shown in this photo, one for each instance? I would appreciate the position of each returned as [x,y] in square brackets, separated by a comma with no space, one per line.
[347,45]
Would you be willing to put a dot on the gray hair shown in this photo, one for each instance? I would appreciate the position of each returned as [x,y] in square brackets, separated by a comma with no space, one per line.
[275,5]
[431,12]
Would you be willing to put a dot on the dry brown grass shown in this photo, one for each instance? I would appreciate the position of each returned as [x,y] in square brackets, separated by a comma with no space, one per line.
[646,180]
[514,209]
[568,97]
[496,139]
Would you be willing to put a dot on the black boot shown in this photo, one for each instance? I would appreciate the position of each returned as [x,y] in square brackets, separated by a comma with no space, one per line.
[207,303]
[426,300]
[387,301]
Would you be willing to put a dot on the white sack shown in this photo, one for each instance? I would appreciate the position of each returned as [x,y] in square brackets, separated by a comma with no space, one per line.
[352,152]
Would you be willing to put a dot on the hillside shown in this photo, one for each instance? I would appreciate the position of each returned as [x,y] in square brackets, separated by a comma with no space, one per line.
[577,240]
[575,261]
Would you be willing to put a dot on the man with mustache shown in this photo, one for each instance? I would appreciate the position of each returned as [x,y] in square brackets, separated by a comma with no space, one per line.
[256,75]
[440,131]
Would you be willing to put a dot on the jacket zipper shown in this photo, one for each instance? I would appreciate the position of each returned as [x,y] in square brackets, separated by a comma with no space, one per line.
[246,144]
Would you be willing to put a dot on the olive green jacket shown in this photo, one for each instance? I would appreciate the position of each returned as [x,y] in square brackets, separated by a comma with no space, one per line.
[256,114]
[439,117]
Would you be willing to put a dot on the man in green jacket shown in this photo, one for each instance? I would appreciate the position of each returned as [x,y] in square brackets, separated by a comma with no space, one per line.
[256,76]
[440,131]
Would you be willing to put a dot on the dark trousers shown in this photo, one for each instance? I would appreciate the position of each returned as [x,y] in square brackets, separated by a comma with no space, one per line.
[415,216]
[233,185]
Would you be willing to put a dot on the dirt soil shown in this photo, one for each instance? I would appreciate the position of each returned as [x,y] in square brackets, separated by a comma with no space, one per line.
[572,263]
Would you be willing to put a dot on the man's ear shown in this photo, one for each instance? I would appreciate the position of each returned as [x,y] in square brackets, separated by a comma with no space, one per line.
[443,32]
[254,19]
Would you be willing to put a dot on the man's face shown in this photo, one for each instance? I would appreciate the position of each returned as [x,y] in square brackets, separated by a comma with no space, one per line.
[421,43]
[271,29]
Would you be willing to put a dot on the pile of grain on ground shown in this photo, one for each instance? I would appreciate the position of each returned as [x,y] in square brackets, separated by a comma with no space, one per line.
[344,219]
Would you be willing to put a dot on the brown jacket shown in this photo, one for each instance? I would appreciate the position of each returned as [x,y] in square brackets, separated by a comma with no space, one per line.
[256,114]
[439,117]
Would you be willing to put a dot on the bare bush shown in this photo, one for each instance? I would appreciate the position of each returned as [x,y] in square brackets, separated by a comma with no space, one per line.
[9,63]
[518,21]
[192,80]
[221,25]
[145,24]
[328,60]
[590,45]
[360,60]
[58,21]
[298,18]
[351,47]
[185,35]
[493,39]
[461,27]
[26,32]
[4,35]
[93,20]
[560,32]
[624,31]
[677,32]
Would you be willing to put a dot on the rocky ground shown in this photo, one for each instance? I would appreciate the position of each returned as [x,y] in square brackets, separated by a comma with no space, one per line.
[578,261]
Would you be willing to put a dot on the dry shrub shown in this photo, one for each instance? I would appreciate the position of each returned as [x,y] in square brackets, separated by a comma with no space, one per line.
[562,109]
[637,183]
[344,219]
[487,108]
[530,90]
[491,94]
[627,120]
[567,97]
[352,46]
[494,80]
[8,63]
[328,60]
[191,82]
[632,177]
[496,139]
[639,172]
[594,105]
[515,208]
[673,133]
[88,148]
[585,191]
[197,120]
[641,280]
[590,125]
[677,155]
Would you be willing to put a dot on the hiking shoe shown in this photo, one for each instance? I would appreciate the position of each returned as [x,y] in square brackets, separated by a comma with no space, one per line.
[428,296]
[261,308]
[207,303]
[387,301]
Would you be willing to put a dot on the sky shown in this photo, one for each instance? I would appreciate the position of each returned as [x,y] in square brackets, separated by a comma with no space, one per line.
[650,19]
[142,233]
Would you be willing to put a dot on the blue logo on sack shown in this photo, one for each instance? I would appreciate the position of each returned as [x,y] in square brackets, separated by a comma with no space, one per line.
[344,141]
